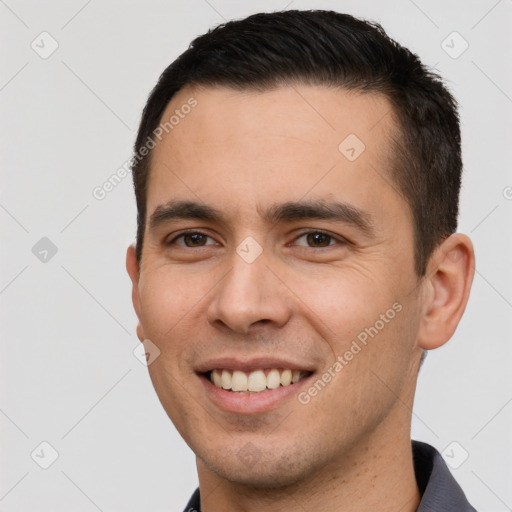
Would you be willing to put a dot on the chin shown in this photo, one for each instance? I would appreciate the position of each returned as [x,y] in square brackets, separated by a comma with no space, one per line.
[269,470]
[260,478]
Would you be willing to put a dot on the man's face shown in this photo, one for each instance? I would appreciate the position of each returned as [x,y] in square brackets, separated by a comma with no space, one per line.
[273,285]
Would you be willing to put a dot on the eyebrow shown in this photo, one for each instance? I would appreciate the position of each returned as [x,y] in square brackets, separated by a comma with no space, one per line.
[282,212]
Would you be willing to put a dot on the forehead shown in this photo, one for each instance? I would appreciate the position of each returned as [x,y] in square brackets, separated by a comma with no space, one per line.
[237,148]
[313,115]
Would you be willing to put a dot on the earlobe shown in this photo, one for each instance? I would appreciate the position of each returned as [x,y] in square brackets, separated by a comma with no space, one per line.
[132,267]
[448,283]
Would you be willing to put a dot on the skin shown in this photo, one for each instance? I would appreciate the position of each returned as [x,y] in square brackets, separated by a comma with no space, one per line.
[349,447]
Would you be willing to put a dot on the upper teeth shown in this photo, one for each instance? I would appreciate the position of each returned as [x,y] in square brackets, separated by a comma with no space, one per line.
[255,381]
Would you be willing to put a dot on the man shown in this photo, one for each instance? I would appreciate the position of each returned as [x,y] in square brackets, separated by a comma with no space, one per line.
[297,178]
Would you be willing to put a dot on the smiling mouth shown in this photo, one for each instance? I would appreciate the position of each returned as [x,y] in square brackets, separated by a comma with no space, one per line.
[257,381]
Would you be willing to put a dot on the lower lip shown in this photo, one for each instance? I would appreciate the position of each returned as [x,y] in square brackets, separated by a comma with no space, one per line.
[251,403]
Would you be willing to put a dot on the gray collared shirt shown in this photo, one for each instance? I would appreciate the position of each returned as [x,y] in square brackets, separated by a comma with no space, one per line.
[439,490]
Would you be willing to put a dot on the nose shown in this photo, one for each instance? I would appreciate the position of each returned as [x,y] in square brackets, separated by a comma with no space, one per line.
[248,296]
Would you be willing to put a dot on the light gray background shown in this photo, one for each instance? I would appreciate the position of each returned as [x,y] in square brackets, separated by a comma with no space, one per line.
[68,374]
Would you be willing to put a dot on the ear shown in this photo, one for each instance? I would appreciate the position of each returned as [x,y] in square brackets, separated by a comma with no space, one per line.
[447,285]
[132,266]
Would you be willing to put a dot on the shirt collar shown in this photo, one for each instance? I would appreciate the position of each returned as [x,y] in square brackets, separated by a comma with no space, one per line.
[439,490]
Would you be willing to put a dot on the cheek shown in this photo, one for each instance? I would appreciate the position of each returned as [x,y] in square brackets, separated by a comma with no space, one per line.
[370,377]
[172,309]
[371,327]
[343,301]
[167,300]
[169,309]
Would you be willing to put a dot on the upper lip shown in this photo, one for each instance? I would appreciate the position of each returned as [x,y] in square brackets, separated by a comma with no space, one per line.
[254,363]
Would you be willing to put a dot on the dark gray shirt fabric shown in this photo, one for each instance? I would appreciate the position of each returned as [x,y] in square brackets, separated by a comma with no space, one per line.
[439,490]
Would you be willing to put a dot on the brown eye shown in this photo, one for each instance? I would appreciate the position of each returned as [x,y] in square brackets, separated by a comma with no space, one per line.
[194,239]
[316,240]
[191,239]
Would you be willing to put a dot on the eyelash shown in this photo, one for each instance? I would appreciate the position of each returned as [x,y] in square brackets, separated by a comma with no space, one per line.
[305,233]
